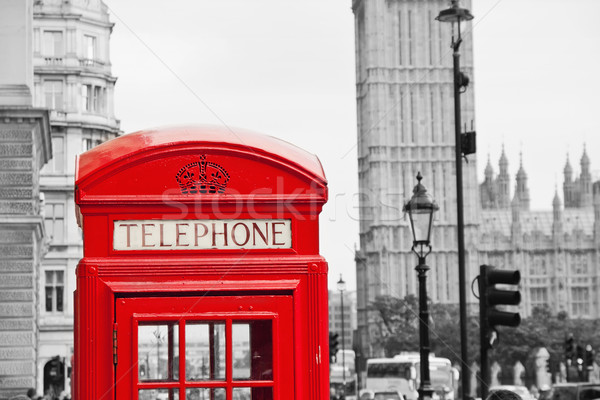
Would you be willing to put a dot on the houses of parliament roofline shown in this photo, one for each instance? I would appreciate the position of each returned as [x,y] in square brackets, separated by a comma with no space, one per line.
[510,217]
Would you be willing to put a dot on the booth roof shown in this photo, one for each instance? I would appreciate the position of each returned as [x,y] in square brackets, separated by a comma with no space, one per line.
[218,136]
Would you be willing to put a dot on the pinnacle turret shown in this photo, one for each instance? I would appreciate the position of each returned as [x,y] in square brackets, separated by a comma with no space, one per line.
[568,171]
[522,190]
[585,161]
[489,170]
[556,203]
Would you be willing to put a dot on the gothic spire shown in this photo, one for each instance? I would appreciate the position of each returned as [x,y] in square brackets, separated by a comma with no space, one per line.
[585,161]
[489,170]
[568,171]
[522,191]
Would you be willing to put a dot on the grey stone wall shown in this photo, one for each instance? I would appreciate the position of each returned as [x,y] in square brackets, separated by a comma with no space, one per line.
[24,148]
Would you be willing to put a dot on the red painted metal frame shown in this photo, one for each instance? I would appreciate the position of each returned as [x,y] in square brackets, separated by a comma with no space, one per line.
[133,178]
[276,308]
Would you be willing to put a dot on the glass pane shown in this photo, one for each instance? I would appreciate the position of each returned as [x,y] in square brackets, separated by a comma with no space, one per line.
[241,393]
[59,277]
[241,351]
[57,153]
[59,298]
[59,211]
[158,348]
[90,50]
[260,393]
[253,350]
[159,394]
[205,394]
[265,393]
[205,351]
[261,348]
[49,295]
[58,230]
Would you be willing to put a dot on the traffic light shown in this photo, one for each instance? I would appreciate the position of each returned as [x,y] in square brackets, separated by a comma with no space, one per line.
[589,357]
[333,346]
[490,297]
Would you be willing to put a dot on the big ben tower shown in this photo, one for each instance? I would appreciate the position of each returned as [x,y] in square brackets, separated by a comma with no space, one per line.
[404,84]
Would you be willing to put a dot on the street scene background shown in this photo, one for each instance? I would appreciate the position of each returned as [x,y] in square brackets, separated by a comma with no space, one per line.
[286,69]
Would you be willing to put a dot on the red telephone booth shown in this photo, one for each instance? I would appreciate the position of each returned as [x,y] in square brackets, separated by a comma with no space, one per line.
[201,276]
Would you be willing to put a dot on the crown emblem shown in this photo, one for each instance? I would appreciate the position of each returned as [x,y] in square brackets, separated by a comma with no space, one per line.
[202,177]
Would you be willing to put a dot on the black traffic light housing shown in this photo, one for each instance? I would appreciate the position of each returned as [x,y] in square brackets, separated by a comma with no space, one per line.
[490,317]
[468,143]
[333,346]
[490,297]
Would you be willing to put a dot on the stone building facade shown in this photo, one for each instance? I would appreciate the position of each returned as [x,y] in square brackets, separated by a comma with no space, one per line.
[24,149]
[335,317]
[72,77]
[25,146]
[558,251]
[405,114]
[405,110]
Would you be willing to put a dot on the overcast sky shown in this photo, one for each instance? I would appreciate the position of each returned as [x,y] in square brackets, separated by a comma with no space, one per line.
[286,68]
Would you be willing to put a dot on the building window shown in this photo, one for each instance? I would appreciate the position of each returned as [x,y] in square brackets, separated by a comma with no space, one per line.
[579,265]
[537,266]
[57,164]
[55,222]
[94,98]
[53,44]
[55,290]
[53,95]
[538,296]
[86,96]
[90,47]
[89,144]
[97,103]
[410,38]
[400,37]
[580,301]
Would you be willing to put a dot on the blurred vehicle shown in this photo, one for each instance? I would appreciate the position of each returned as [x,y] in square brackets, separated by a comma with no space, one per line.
[575,391]
[402,373]
[520,390]
[338,375]
[388,396]
[366,394]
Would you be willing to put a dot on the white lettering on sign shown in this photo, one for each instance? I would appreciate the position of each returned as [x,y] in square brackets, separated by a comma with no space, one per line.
[202,234]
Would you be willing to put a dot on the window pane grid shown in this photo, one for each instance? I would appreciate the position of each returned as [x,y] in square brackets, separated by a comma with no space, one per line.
[54,289]
[229,385]
[54,224]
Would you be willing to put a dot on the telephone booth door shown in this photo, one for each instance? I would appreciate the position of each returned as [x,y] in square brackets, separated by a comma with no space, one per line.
[204,348]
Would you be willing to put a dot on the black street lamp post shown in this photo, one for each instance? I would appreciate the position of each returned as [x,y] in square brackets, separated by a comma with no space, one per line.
[455,15]
[341,286]
[420,209]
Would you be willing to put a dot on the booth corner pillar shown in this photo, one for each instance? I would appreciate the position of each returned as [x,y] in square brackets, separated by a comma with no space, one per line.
[201,273]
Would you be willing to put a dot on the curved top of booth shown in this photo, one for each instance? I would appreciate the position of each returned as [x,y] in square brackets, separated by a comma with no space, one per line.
[197,160]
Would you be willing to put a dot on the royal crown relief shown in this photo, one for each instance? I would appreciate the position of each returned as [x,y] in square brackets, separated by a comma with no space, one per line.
[202,177]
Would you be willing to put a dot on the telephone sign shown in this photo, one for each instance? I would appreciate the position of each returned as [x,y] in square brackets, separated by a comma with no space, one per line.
[202,234]
[201,276]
